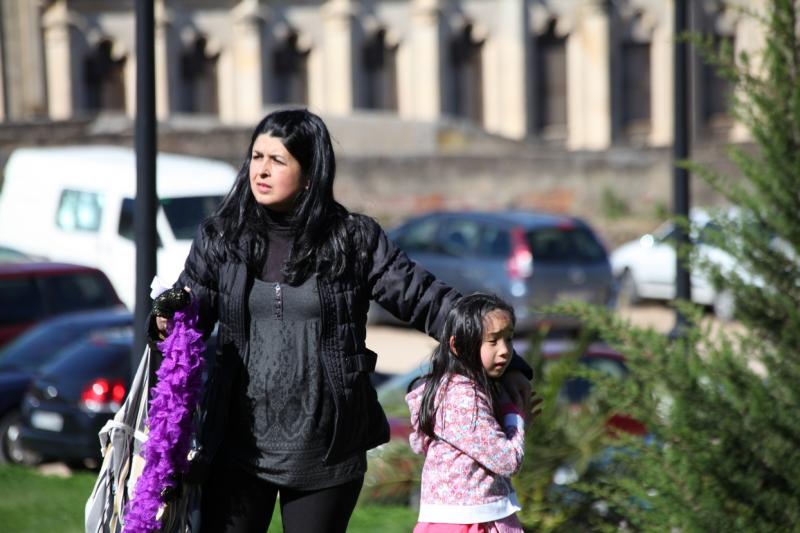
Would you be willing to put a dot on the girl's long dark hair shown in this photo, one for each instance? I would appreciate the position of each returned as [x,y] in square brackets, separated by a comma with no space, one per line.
[238,228]
[465,323]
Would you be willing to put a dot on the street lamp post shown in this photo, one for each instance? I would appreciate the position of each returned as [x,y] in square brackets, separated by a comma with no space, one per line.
[680,152]
[145,204]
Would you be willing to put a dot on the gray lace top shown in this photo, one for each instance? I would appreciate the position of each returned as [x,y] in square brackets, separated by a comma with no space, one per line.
[284,418]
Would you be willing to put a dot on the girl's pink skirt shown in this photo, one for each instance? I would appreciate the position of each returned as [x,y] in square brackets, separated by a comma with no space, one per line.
[509,524]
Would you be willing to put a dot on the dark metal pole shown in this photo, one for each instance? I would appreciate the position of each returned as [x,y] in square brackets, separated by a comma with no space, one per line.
[145,205]
[680,152]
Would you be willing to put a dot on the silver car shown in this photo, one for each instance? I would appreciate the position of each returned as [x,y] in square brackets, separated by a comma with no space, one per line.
[528,258]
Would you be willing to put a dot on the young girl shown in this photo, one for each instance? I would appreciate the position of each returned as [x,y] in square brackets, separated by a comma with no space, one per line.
[471,434]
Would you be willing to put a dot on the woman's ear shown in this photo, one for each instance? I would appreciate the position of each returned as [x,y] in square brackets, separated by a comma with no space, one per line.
[453,345]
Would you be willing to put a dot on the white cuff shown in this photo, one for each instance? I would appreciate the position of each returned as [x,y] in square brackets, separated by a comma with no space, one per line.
[157,288]
[513,420]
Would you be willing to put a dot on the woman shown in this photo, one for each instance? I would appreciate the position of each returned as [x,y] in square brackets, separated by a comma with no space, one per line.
[288,273]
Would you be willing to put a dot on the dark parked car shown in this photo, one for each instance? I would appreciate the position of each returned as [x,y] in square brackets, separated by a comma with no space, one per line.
[20,360]
[530,259]
[30,292]
[72,397]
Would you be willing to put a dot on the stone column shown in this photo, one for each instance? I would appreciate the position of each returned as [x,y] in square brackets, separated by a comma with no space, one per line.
[662,103]
[167,61]
[421,68]
[506,72]
[65,90]
[3,114]
[588,79]
[129,75]
[339,50]
[317,92]
[24,70]
[227,86]
[247,94]
[749,37]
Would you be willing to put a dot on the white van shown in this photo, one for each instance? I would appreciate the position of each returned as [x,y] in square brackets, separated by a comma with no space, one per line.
[75,204]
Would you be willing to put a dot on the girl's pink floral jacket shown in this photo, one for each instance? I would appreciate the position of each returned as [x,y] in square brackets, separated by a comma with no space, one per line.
[465,478]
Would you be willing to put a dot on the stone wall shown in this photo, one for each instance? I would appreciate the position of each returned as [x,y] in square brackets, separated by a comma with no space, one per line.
[437,166]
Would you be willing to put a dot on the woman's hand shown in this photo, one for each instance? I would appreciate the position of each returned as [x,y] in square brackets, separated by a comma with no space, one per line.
[503,397]
[518,388]
[161,324]
[534,410]
[166,304]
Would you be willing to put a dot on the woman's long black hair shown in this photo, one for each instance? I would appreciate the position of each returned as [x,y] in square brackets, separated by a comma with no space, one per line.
[238,227]
[465,323]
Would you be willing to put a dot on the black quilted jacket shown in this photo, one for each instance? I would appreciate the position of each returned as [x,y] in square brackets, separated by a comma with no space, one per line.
[390,278]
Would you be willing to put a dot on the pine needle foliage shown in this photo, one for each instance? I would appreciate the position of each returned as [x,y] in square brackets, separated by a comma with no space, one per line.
[571,447]
[765,236]
[722,406]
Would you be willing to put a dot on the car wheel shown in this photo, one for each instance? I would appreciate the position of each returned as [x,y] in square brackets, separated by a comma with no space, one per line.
[11,450]
[628,293]
[724,305]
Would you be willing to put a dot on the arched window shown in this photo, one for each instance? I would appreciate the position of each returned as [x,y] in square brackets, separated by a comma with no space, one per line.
[631,47]
[550,83]
[717,90]
[635,84]
[104,79]
[379,62]
[712,91]
[289,72]
[199,78]
[465,97]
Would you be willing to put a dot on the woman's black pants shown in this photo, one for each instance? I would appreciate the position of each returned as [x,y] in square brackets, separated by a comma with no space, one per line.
[235,501]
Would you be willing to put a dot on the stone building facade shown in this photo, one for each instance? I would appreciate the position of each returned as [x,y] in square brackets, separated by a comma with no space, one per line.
[581,74]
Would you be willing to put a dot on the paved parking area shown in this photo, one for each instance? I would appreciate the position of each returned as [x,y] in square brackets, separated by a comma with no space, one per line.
[401,349]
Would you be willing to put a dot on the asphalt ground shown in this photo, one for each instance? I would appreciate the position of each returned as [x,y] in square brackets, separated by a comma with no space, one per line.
[402,349]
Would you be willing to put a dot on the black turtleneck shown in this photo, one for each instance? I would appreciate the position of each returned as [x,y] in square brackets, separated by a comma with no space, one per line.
[280,239]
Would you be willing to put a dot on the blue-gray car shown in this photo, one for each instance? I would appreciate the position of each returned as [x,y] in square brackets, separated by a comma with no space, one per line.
[531,259]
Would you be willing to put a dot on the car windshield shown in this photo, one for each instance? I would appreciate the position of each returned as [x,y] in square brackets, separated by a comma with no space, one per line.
[85,358]
[37,347]
[185,214]
[9,255]
[564,244]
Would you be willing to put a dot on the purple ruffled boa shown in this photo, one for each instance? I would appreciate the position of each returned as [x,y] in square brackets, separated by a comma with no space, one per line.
[169,418]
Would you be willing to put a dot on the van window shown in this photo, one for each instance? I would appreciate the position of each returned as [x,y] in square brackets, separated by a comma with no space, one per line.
[125,228]
[185,214]
[79,211]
